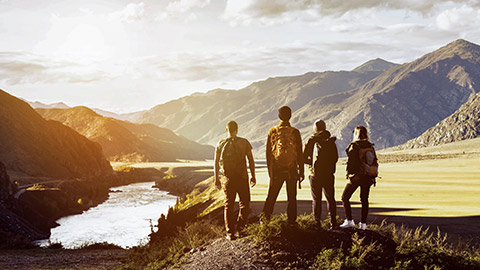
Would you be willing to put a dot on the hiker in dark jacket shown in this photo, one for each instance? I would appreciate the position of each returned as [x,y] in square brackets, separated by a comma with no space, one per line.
[360,141]
[322,172]
[230,157]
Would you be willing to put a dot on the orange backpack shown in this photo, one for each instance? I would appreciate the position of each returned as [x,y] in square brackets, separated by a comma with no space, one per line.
[284,149]
[368,162]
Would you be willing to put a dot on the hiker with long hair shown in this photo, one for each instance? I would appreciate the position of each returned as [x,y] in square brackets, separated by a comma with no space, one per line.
[322,169]
[362,168]
[230,158]
[284,163]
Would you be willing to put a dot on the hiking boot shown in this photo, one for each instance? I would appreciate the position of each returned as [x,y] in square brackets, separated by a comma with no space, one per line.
[362,226]
[348,224]
[231,237]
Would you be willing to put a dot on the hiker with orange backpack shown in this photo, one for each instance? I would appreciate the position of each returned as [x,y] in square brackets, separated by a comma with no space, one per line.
[322,171]
[230,158]
[284,163]
[362,169]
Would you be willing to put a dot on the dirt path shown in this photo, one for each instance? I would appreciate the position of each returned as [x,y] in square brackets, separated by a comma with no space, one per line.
[61,259]
[224,254]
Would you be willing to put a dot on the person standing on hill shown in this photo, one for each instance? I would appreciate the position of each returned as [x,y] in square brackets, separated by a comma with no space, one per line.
[362,168]
[284,163]
[322,171]
[230,156]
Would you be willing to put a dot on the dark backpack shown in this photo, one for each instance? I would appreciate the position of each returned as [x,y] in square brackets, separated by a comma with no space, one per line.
[327,155]
[230,157]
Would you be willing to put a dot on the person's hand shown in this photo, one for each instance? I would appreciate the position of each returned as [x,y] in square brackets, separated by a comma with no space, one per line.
[301,177]
[253,181]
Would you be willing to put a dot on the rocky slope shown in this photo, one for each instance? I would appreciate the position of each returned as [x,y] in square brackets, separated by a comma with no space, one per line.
[406,100]
[37,147]
[202,117]
[463,124]
[125,141]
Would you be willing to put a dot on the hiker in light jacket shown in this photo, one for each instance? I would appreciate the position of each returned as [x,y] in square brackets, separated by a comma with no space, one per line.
[322,171]
[360,141]
[285,164]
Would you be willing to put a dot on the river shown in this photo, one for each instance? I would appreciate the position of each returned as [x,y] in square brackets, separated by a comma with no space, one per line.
[124,219]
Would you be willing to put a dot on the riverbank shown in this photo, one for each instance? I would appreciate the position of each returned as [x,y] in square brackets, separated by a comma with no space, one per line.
[34,204]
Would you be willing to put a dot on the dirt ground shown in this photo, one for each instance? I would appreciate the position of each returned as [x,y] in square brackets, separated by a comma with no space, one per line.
[61,259]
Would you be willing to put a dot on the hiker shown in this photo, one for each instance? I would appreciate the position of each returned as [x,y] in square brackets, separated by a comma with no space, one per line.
[284,163]
[230,156]
[322,171]
[362,168]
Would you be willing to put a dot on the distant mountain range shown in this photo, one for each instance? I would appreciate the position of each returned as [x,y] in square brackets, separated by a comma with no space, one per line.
[395,102]
[125,141]
[202,117]
[38,147]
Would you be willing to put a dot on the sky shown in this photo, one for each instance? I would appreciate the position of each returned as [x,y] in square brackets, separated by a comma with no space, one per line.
[125,56]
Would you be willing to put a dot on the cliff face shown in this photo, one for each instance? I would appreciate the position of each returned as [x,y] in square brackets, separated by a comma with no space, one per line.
[463,124]
[37,147]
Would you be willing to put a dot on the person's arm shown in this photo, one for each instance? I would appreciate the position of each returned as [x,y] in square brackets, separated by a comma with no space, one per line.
[268,153]
[301,167]
[308,152]
[216,173]
[251,164]
[352,160]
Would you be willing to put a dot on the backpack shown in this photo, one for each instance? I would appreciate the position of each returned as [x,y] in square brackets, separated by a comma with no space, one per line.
[368,162]
[230,157]
[284,149]
[327,155]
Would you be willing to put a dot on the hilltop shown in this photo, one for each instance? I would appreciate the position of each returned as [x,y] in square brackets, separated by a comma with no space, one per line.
[125,141]
[38,147]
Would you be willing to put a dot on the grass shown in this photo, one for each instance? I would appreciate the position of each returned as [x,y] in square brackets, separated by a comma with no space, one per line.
[383,246]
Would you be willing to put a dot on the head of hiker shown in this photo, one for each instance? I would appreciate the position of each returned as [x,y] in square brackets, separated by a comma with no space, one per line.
[284,113]
[360,133]
[232,128]
[319,126]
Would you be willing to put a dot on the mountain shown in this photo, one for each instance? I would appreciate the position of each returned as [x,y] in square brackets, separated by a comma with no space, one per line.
[38,147]
[406,100]
[37,104]
[463,124]
[125,141]
[202,117]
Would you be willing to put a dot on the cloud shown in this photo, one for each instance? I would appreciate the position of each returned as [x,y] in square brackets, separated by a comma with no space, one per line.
[182,9]
[131,13]
[22,68]
[246,11]
[258,63]
[459,19]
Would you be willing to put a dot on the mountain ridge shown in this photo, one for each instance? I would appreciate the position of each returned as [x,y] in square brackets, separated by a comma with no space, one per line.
[125,141]
[39,147]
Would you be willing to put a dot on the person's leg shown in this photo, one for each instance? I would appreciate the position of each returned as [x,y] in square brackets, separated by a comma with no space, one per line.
[273,190]
[347,194]
[292,197]
[244,211]
[316,190]
[230,194]
[364,193]
[329,190]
